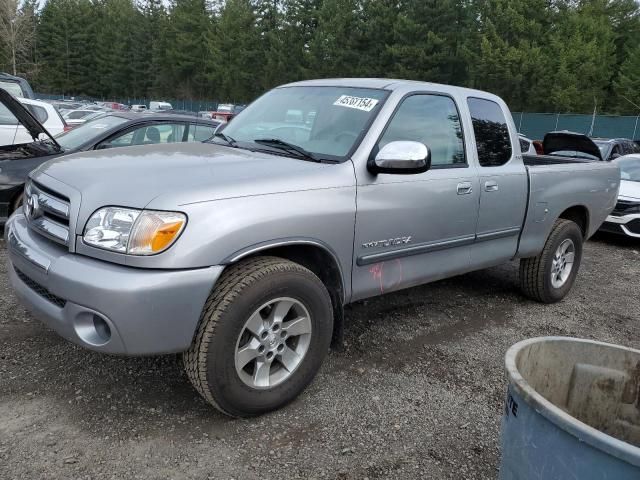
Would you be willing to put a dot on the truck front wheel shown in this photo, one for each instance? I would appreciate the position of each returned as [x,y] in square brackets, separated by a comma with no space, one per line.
[263,335]
[548,277]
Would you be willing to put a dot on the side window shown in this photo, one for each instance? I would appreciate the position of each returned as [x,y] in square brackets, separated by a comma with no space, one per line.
[432,120]
[491,132]
[169,133]
[38,112]
[6,117]
[200,133]
[524,145]
[149,135]
[617,150]
[123,140]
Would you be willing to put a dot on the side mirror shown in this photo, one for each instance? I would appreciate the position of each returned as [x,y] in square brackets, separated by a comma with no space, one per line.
[401,157]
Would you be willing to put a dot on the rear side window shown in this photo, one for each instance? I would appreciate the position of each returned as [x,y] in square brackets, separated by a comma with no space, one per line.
[6,117]
[491,132]
[200,133]
[13,88]
[38,112]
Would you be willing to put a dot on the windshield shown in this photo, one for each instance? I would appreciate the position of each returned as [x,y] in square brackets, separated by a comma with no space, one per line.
[326,121]
[86,132]
[13,88]
[629,169]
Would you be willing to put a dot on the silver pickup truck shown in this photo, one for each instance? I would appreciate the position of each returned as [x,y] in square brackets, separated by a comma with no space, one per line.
[241,251]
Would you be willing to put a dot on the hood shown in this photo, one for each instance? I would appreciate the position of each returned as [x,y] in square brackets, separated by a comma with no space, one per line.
[166,177]
[629,190]
[569,141]
[24,116]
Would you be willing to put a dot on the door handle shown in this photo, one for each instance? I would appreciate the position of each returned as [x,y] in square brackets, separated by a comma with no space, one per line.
[465,188]
[491,186]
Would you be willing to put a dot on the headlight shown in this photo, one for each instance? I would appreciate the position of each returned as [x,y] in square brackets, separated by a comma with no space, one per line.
[132,231]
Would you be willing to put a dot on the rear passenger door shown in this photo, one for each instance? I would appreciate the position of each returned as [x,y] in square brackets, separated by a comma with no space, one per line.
[503,184]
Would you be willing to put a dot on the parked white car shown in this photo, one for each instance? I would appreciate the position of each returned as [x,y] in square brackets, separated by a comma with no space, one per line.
[159,106]
[138,108]
[78,117]
[11,132]
[625,218]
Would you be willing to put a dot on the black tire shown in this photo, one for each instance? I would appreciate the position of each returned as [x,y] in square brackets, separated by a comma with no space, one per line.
[535,272]
[240,291]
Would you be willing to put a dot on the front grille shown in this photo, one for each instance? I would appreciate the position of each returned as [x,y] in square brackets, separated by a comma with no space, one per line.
[40,290]
[634,226]
[47,212]
[626,207]
[611,228]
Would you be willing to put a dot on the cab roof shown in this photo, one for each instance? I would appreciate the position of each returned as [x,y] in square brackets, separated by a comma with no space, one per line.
[384,84]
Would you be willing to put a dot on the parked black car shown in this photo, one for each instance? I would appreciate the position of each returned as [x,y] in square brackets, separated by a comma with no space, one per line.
[119,129]
[612,148]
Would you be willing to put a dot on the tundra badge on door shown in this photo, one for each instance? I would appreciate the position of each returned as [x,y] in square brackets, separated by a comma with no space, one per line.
[388,243]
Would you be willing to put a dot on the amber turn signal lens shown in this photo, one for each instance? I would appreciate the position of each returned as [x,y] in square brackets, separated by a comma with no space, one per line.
[155,231]
[165,235]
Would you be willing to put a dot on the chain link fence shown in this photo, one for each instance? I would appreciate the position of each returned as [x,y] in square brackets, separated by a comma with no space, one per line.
[536,125]
[190,105]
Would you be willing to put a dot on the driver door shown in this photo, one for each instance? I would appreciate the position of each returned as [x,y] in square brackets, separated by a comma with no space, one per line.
[411,229]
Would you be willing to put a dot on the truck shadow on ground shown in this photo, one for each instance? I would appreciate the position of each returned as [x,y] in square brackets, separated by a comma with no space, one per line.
[619,241]
[97,390]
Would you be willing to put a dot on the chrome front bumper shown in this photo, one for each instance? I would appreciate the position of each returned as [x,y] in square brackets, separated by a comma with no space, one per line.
[103,306]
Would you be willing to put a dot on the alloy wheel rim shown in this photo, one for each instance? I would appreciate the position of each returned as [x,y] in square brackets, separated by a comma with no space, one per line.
[562,263]
[273,342]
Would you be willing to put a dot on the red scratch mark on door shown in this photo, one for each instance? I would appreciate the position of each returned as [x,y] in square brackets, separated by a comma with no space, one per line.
[394,275]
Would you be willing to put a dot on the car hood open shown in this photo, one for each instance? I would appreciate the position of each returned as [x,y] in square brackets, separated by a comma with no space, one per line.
[571,142]
[24,116]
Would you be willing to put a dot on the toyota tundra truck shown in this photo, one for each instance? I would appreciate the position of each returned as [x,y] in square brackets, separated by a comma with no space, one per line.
[241,252]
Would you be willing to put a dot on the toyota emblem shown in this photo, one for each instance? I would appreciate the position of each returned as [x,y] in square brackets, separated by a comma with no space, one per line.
[32,207]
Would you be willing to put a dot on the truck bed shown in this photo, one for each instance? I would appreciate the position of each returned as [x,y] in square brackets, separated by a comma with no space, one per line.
[556,183]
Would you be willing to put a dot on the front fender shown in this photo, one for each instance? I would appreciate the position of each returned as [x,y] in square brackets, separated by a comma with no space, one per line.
[222,231]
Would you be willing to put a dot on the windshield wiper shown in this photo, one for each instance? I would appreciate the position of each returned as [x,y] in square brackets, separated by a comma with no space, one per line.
[226,138]
[290,147]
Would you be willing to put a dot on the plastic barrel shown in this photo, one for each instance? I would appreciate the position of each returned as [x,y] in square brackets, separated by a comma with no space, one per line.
[572,411]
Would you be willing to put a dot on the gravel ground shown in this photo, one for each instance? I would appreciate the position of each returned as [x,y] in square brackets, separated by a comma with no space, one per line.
[417,392]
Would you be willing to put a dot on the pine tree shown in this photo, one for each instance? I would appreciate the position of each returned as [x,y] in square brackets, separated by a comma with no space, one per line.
[627,85]
[186,41]
[237,53]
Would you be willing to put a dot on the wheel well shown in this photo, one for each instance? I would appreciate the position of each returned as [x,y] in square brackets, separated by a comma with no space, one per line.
[326,267]
[579,215]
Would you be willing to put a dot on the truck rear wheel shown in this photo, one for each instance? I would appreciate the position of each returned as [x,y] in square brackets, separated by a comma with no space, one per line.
[548,278]
[263,335]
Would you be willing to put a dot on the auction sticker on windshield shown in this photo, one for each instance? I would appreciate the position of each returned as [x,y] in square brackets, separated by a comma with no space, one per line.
[359,103]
